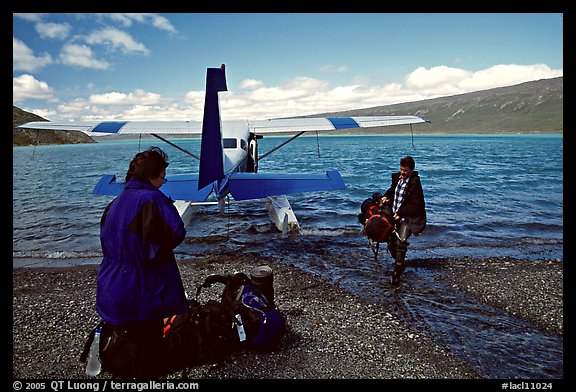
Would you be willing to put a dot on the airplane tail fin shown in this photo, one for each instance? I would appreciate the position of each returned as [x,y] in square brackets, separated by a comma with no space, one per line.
[211,153]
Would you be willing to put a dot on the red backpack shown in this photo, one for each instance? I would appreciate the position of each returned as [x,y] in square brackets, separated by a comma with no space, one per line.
[379,227]
[376,218]
[377,221]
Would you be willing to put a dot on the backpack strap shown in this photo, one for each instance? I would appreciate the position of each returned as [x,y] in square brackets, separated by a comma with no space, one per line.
[209,281]
[375,249]
[238,278]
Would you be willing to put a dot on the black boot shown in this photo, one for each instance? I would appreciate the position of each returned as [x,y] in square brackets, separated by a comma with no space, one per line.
[399,257]
[398,269]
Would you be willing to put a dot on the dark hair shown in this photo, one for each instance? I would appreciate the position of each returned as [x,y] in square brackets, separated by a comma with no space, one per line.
[147,164]
[408,161]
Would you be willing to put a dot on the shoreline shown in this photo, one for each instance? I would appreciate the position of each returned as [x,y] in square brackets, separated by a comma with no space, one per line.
[332,334]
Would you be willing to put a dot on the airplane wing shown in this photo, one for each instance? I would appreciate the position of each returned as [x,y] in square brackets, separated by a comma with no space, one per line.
[246,186]
[101,128]
[289,125]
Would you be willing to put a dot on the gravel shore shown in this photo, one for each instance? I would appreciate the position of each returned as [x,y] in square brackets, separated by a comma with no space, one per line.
[528,289]
[331,334]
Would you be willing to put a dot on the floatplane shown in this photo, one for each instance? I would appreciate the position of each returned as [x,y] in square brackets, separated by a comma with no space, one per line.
[229,156]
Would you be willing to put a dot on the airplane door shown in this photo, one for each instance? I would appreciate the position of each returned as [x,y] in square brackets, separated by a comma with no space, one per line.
[252,164]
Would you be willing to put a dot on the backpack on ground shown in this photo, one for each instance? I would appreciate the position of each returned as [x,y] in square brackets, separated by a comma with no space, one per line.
[259,324]
[203,335]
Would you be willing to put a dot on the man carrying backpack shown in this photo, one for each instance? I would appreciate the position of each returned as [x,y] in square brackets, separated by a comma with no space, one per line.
[406,198]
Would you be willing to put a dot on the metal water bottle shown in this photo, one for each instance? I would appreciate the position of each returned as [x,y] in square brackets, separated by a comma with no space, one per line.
[263,279]
[93,366]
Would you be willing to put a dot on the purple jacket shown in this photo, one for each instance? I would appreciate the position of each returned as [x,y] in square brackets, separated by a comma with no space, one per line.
[138,278]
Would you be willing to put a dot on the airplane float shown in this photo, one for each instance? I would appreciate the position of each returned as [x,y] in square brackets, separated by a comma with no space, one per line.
[229,156]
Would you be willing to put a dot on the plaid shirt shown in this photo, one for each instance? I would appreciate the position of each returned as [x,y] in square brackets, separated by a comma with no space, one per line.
[399,194]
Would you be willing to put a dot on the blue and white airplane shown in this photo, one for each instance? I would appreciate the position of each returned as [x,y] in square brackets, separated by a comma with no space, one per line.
[229,155]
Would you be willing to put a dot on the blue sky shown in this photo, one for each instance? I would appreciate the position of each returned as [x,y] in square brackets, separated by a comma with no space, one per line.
[73,67]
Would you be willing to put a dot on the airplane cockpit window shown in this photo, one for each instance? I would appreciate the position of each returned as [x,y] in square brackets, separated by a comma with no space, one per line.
[243,144]
[229,143]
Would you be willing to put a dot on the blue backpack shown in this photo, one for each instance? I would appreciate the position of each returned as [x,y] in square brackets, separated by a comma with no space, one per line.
[259,324]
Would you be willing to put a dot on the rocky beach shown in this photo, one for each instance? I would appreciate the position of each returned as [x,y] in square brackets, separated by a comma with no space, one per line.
[331,333]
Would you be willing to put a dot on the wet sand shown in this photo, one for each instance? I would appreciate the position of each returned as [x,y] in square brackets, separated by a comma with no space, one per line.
[331,333]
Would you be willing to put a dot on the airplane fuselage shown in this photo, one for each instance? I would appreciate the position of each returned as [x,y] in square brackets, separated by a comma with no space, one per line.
[239,148]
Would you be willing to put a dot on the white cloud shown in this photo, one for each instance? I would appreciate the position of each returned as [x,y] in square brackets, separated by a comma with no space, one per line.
[27,87]
[435,77]
[510,73]
[195,98]
[81,56]
[161,23]
[443,80]
[31,17]
[305,83]
[155,20]
[116,40]
[23,59]
[137,97]
[73,107]
[333,69]
[273,94]
[53,30]
[250,84]
[162,113]
[294,89]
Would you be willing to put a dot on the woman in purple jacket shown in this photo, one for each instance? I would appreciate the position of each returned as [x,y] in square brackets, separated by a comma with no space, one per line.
[138,280]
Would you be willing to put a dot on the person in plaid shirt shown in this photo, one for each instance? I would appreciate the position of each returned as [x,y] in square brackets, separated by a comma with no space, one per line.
[405,197]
